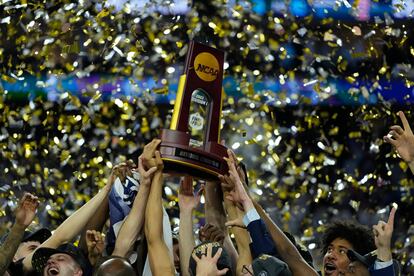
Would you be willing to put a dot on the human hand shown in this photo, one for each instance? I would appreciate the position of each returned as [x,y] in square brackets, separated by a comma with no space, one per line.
[186,200]
[207,264]
[238,193]
[145,176]
[402,139]
[95,244]
[239,167]
[122,170]
[382,235]
[148,153]
[26,209]
[211,233]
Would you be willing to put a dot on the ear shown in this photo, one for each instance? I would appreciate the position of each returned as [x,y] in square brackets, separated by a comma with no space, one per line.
[78,272]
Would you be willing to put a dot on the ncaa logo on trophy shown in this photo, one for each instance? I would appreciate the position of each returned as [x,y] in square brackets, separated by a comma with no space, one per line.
[191,145]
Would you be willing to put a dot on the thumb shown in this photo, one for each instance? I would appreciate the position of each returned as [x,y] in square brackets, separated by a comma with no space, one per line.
[223,271]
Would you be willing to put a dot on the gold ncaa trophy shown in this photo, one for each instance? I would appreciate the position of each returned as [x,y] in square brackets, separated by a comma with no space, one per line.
[191,146]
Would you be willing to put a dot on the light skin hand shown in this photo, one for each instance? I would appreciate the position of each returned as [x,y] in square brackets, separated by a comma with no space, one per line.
[145,175]
[402,139]
[123,170]
[95,244]
[189,202]
[238,194]
[207,264]
[26,210]
[147,155]
[383,234]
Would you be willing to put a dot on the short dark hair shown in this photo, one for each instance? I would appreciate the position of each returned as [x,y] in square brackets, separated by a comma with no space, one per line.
[356,234]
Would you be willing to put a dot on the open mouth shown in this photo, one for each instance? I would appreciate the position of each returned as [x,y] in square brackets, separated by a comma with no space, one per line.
[53,271]
[330,268]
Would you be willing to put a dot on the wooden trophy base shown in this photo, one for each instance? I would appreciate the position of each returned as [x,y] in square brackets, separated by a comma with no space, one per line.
[180,158]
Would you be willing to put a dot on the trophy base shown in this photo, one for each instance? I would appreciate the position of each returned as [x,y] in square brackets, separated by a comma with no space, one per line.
[179,158]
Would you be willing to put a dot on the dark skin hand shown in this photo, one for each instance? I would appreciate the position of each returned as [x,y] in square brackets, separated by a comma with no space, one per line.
[212,233]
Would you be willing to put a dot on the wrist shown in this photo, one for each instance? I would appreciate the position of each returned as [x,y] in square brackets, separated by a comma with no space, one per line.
[186,210]
[384,254]
[247,204]
[145,186]
[158,173]
[18,226]
[107,188]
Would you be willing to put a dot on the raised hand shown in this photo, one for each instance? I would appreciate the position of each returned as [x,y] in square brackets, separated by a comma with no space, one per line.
[207,264]
[238,194]
[123,170]
[95,244]
[147,155]
[186,199]
[26,210]
[402,139]
[145,175]
[383,234]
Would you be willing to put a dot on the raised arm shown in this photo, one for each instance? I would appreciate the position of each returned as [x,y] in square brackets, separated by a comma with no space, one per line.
[74,224]
[95,245]
[134,222]
[216,215]
[24,214]
[97,222]
[383,235]
[187,203]
[159,257]
[285,247]
[240,235]
[402,140]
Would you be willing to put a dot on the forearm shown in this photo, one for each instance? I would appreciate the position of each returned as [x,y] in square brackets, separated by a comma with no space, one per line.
[216,215]
[186,239]
[95,223]
[153,226]
[133,224]
[285,247]
[72,225]
[214,210]
[77,221]
[10,246]
[242,238]
[159,257]
[229,247]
